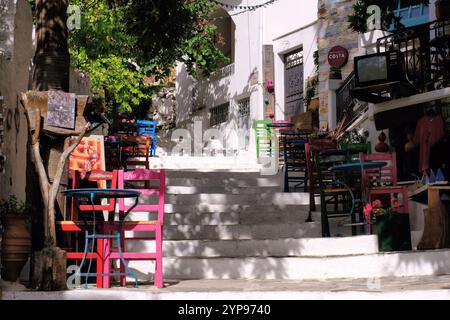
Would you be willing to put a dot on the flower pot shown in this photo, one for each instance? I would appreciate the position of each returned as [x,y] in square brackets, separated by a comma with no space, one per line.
[442,9]
[393,232]
[16,246]
[360,147]
[314,104]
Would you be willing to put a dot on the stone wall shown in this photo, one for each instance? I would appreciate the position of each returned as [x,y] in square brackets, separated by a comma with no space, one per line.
[334,30]
[16,51]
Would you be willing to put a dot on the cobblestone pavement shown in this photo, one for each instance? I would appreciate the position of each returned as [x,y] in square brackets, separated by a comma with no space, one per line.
[425,287]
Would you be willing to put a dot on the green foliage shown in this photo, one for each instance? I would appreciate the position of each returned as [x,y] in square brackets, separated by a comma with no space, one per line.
[358,19]
[123,43]
[311,85]
[12,206]
[354,136]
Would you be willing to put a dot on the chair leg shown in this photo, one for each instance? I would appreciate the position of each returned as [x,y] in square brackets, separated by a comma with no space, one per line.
[106,259]
[405,200]
[100,262]
[324,218]
[158,262]
[123,279]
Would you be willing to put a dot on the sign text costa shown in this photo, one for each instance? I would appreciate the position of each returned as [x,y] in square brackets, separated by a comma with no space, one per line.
[338,56]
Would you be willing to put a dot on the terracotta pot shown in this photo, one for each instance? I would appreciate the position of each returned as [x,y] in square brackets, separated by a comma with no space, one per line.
[313,104]
[16,246]
[442,9]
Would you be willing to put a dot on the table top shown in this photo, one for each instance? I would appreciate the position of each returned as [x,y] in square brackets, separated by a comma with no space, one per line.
[122,143]
[280,125]
[358,166]
[101,193]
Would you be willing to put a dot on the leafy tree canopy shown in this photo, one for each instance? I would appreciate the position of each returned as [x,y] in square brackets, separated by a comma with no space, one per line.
[122,44]
[358,19]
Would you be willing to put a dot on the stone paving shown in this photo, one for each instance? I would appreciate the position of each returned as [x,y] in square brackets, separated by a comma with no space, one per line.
[413,288]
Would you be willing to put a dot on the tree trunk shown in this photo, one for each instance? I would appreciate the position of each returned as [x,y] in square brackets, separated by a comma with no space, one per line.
[51,60]
[51,72]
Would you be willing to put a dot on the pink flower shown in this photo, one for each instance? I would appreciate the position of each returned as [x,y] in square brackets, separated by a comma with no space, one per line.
[395,203]
[367,211]
[376,203]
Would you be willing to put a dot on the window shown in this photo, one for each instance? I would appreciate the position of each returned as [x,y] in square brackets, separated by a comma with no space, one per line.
[219,114]
[244,108]
[412,15]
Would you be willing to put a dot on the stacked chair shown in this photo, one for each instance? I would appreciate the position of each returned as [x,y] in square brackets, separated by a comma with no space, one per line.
[128,169]
[148,128]
[78,223]
[263,134]
[151,221]
[295,163]
[338,191]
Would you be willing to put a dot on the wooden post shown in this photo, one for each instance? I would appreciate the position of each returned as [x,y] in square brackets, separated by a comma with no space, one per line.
[49,265]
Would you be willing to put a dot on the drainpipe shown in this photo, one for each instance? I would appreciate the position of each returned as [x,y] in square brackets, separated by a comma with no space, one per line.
[333,85]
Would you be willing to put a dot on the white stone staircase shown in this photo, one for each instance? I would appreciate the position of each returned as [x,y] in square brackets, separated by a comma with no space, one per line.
[227,223]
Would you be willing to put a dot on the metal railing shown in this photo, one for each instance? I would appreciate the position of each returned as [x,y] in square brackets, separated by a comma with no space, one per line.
[425,50]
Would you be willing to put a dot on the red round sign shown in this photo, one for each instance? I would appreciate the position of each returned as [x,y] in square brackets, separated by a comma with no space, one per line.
[338,56]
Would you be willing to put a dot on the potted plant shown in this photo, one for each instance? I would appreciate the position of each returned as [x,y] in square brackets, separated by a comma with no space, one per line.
[392,228]
[335,73]
[16,243]
[355,140]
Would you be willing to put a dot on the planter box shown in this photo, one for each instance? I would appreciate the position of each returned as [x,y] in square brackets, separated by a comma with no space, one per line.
[360,147]
[393,232]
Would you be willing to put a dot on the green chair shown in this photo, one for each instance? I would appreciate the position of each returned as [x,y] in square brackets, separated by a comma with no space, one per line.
[263,134]
[338,191]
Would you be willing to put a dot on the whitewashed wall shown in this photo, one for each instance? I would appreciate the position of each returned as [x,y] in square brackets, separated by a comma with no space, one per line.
[273,25]
[14,78]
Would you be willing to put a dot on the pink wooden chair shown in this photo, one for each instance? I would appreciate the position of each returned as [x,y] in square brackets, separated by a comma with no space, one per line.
[384,180]
[142,177]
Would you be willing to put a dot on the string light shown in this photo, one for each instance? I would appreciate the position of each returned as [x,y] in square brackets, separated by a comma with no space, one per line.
[226,5]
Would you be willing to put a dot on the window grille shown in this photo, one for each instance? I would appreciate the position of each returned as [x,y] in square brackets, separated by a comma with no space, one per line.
[244,107]
[219,114]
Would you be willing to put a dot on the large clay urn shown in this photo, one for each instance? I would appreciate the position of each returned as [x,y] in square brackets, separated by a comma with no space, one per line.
[16,246]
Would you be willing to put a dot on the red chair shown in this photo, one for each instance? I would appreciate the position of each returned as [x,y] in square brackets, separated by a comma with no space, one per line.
[101,179]
[140,180]
[384,181]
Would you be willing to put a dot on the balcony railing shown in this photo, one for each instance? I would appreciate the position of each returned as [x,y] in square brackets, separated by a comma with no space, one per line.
[345,104]
[224,72]
[426,53]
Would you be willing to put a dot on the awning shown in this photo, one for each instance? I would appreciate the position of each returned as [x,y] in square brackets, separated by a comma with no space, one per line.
[400,111]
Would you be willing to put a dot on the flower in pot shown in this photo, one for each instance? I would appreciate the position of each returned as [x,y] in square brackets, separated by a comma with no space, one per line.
[16,242]
[386,223]
[335,73]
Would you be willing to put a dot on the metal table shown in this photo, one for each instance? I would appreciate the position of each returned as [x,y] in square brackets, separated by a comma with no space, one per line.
[356,167]
[92,194]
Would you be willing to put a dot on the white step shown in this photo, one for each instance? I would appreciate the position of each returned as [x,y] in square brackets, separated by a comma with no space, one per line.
[204,163]
[263,198]
[235,181]
[217,175]
[249,207]
[399,264]
[242,232]
[272,248]
[221,189]
[230,218]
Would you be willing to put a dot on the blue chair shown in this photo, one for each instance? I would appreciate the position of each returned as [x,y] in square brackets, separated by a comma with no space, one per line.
[148,128]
